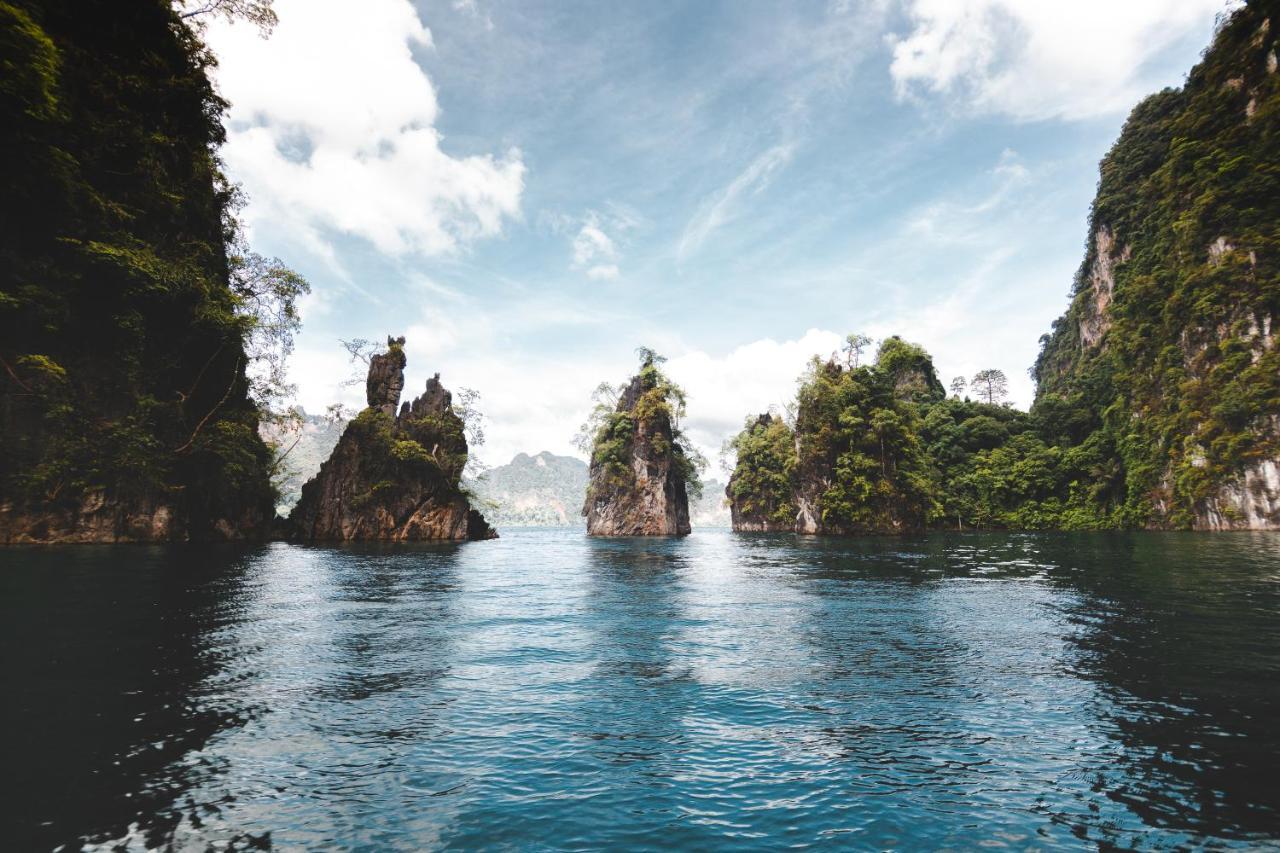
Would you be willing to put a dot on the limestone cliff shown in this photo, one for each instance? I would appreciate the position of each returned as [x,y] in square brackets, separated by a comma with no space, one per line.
[639,469]
[125,412]
[1168,349]
[393,476]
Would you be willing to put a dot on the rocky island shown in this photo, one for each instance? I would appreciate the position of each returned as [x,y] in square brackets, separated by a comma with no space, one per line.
[760,492]
[1157,393]
[641,466]
[395,473]
[853,464]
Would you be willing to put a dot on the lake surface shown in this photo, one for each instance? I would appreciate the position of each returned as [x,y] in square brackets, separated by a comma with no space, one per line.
[550,691]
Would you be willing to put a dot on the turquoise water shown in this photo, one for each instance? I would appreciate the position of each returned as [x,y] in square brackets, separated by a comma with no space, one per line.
[546,691]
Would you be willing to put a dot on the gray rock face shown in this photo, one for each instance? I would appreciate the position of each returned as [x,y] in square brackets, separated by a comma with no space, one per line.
[1095,321]
[101,518]
[386,377]
[642,493]
[393,478]
[1250,502]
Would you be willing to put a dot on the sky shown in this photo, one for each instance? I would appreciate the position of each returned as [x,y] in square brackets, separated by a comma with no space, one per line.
[530,190]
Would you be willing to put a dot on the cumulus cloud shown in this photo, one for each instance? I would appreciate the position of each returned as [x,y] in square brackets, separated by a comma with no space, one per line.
[332,129]
[726,389]
[1040,59]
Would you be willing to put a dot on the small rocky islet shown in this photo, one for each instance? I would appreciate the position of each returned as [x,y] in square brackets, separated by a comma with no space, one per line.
[395,474]
[640,465]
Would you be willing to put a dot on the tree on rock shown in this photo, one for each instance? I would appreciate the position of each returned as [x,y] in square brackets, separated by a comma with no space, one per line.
[642,466]
[761,488]
[991,386]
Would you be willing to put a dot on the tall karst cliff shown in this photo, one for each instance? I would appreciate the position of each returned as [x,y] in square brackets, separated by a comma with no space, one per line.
[124,405]
[393,475]
[1166,360]
[641,467]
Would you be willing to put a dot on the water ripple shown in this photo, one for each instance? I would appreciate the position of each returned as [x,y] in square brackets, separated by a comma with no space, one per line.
[546,691]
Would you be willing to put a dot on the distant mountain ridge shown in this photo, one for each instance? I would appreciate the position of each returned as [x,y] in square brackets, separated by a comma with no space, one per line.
[544,490]
[547,490]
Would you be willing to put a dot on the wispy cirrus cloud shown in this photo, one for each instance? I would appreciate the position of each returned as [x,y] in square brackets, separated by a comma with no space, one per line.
[721,207]
[594,251]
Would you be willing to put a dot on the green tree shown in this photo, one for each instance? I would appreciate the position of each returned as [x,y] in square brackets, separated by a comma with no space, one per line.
[991,386]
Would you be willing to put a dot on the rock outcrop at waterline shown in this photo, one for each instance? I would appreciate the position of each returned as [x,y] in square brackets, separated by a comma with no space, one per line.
[854,463]
[639,470]
[393,477]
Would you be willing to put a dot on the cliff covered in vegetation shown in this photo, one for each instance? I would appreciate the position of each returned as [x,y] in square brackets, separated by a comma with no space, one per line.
[1165,366]
[393,475]
[1158,392]
[641,466]
[126,298]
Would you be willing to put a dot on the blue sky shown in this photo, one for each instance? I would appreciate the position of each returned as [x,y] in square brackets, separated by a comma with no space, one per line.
[530,190]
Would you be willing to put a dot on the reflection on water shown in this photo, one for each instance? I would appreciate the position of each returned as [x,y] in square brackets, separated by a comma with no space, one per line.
[546,690]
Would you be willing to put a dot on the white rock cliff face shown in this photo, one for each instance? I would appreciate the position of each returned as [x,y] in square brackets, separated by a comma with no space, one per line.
[1102,286]
[1251,502]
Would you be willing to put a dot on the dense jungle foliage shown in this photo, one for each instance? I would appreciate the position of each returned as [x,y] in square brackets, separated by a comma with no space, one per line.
[763,483]
[130,308]
[860,463]
[1168,391]
[879,447]
[649,410]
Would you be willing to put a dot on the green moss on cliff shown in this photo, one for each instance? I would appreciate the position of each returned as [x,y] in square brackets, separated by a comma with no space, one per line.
[1167,358]
[122,349]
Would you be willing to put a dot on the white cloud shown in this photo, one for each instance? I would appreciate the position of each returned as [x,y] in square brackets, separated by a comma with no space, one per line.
[594,251]
[331,129]
[720,208]
[961,222]
[724,390]
[603,272]
[1039,59]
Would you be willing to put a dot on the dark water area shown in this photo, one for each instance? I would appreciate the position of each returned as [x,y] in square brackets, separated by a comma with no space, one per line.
[550,691]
